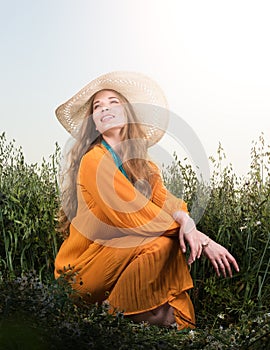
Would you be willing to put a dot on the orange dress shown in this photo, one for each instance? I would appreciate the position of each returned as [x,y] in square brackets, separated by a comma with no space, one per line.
[123,247]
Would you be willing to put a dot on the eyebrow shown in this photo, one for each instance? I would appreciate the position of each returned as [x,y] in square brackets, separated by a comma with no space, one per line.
[111,97]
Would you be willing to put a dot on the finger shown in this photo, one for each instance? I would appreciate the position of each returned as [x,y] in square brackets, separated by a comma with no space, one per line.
[200,249]
[216,267]
[227,267]
[222,268]
[235,265]
[232,261]
[191,260]
[193,253]
[182,241]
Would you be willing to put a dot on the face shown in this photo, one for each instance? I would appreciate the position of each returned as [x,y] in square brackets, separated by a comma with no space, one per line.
[108,112]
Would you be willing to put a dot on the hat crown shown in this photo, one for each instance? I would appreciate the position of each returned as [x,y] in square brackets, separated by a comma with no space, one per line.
[141,91]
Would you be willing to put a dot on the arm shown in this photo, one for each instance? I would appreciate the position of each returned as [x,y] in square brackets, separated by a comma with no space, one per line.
[199,243]
[164,198]
[118,199]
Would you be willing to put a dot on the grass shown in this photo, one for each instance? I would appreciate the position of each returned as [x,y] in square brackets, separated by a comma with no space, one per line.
[37,313]
[29,200]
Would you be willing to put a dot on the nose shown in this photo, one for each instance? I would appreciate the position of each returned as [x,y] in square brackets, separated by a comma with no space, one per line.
[104,108]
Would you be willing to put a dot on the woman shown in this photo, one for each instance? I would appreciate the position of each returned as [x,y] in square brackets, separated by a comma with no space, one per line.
[126,234]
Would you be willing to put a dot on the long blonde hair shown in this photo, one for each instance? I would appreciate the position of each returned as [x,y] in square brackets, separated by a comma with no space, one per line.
[139,170]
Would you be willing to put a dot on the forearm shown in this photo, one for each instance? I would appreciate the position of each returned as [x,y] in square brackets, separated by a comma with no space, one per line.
[184,220]
[188,225]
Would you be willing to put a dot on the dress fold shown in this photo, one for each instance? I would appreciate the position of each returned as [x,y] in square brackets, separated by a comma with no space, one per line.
[124,247]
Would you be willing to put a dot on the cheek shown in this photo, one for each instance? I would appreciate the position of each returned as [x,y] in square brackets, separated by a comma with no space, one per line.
[96,119]
[123,115]
[96,125]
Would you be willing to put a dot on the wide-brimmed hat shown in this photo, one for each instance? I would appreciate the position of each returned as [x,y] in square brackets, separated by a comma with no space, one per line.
[143,93]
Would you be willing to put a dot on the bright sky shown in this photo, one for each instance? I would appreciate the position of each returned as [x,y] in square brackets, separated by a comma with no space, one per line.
[210,57]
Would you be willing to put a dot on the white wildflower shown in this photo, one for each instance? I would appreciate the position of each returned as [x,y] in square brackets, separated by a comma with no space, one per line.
[191,334]
[222,316]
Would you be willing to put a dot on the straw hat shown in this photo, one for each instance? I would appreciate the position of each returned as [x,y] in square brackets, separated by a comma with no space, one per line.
[146,97]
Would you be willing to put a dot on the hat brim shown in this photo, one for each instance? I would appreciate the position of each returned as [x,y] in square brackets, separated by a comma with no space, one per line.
[145,95]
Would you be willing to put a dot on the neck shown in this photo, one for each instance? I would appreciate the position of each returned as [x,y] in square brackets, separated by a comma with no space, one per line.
[112,137]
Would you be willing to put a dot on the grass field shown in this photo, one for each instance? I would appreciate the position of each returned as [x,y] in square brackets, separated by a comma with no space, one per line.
[36,312]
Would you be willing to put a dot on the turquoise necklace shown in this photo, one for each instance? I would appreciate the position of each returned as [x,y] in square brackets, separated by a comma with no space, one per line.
[116,158]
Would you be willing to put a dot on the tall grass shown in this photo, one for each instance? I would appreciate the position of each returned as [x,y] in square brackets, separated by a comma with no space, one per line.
[28,203]
[237,216]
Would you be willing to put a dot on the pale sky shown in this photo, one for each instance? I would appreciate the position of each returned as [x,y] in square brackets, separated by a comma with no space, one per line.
[210,57]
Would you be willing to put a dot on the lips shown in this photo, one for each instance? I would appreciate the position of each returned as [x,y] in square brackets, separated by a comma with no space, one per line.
[107,117]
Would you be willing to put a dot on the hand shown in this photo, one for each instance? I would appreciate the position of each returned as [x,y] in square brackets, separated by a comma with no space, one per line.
[220,258]
[195,240]
[199,243]
[189,233]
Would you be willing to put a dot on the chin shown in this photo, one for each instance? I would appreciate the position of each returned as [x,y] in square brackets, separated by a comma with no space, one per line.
[111,128]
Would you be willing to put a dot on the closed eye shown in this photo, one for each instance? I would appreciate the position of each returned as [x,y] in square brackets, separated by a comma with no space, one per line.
[114,101]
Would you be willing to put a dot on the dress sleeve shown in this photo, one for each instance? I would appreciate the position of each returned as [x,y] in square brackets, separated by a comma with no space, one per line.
[164,198]
[119,200]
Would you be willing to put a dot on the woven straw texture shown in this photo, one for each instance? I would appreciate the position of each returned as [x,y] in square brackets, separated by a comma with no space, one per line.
[142,92]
